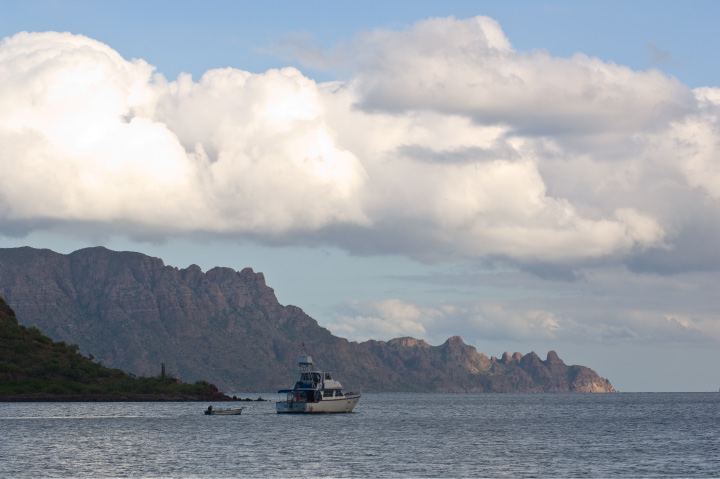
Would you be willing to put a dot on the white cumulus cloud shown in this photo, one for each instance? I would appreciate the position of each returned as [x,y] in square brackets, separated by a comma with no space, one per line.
[388,319]
[444,142]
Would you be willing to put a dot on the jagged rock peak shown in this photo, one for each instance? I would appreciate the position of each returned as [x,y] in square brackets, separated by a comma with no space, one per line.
[259,277]
[516,356]
[408,342]
[455,342]
[530,359]
[552,357]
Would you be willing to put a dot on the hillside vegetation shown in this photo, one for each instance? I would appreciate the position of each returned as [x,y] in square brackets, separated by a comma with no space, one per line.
[32,364]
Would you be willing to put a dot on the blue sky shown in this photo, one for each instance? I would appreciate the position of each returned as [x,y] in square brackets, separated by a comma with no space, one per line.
[183,36]
[527,175]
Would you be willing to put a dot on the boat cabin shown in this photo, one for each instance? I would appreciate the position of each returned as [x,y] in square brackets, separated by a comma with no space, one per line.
[313,385]
[315,391]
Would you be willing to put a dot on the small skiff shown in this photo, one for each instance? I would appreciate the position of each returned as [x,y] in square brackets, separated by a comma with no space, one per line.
[210,411]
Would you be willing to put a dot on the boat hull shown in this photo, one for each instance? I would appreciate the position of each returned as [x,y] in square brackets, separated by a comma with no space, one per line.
[224,412]
[326,406]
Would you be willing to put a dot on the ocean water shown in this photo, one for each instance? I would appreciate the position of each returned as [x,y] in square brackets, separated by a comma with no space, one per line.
[388,435]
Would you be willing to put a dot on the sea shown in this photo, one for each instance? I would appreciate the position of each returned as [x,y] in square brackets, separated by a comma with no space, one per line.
[395,435]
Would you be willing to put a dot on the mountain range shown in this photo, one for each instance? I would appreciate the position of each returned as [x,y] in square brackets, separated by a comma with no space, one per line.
[133,312]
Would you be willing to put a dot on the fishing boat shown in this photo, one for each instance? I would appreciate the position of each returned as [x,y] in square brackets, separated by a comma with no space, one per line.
[210,411]
[315,392]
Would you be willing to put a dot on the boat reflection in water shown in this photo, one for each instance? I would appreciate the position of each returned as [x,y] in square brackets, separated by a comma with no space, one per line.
[316,392]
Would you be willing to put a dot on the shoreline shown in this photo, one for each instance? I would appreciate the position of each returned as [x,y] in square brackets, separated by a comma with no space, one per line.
[121,398]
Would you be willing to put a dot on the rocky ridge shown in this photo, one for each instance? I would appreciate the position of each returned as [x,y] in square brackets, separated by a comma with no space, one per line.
[133,312]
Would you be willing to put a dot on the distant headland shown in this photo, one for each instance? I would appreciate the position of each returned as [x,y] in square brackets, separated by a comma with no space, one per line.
[132,312]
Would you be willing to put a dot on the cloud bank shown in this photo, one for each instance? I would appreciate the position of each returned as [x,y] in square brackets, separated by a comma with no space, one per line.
[443,143]
[614,308]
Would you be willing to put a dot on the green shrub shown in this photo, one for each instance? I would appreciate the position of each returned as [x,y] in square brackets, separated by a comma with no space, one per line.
[55,388]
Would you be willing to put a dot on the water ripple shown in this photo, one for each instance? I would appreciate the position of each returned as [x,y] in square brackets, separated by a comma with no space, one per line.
[389,435]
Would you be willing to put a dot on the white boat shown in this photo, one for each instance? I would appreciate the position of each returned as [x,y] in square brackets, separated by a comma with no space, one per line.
[315,392]
[223,412]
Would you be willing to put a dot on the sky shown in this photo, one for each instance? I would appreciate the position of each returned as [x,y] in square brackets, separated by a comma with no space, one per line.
[530,176]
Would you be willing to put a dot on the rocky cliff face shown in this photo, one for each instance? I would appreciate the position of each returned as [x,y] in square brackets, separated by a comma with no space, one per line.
[133,312]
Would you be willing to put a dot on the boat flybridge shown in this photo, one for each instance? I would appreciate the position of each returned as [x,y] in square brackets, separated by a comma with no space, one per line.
[315,392]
